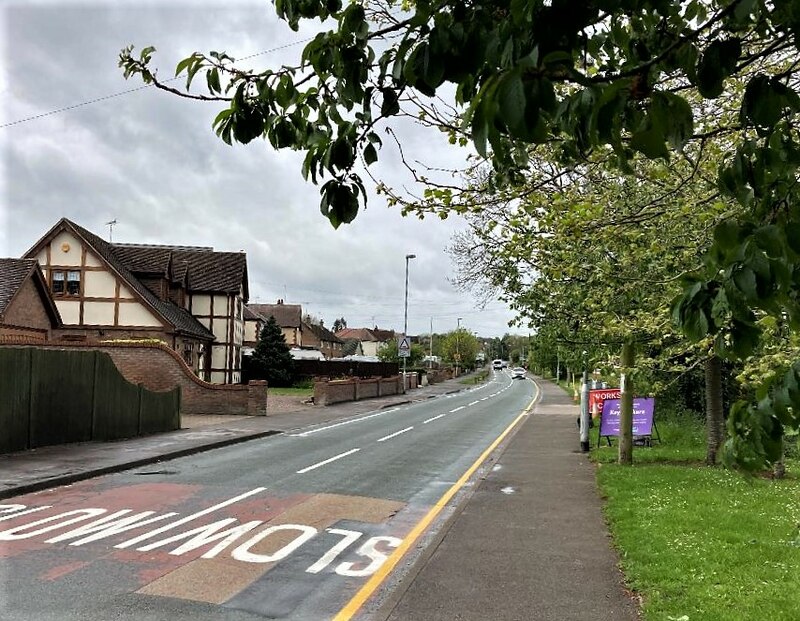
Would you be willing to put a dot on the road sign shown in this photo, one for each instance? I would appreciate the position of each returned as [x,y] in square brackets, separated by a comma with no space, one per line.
[403,347]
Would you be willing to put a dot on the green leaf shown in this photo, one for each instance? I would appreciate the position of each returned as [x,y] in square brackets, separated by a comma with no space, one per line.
[694,323]
[727,234]
[512,104]
[370,154]
[480,129]
[766,100]
[717,63]
[744,338]
[672,114]
[745,280]
[651,143]
[212,79]
[770,239]
[391,104]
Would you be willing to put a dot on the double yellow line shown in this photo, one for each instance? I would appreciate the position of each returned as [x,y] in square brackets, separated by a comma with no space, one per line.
[366,591]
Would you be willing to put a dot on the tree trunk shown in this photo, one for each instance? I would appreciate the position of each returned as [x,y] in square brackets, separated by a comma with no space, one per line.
[626,406]
[715,422]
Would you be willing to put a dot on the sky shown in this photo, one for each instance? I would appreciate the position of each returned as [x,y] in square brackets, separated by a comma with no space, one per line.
[79,141]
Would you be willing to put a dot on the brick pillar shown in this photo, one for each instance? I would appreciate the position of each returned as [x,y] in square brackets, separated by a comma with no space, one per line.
[320,393]
[257,398]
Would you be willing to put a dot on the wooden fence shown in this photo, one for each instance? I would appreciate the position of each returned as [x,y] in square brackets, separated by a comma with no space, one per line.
[58,396]
[344,368]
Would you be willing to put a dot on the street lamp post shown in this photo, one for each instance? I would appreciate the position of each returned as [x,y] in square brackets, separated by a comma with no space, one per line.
[405,318]
[458,353]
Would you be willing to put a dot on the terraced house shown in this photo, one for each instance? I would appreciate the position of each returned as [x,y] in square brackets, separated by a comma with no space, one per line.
[190,297]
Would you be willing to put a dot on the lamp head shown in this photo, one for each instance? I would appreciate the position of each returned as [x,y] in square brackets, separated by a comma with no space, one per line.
[411,256]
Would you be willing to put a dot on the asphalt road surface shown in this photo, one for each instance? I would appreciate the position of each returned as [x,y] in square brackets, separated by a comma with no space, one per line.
[297,526]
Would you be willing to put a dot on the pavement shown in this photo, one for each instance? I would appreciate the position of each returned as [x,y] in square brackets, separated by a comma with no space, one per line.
[531,534]
[530,544]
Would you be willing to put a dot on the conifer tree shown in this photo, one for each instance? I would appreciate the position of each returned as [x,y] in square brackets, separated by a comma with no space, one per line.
[271,358]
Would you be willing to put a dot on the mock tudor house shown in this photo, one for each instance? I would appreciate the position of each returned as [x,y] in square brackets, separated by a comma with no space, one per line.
[26,309]
[190,297]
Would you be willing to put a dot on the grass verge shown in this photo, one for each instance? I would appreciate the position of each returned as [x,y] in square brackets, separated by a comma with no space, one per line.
[478,378]
[700,543]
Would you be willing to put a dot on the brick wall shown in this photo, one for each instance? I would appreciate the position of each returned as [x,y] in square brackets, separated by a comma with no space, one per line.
[27,310]
[367,388]
[159,368]
[337,391]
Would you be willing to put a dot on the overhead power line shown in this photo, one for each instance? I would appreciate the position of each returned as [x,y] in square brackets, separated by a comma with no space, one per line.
[88,102]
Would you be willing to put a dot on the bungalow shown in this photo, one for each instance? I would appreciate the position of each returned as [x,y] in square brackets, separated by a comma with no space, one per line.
[370,339]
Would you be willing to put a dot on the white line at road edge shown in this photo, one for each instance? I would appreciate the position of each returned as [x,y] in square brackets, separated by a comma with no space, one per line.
[371,585]
[327,461]
[430,420]
[396,433]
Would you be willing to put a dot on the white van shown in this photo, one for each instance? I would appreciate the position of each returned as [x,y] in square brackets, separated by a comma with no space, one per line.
[497,364]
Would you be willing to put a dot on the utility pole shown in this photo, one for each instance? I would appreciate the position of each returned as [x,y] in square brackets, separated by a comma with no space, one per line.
[405,320]
[430,357]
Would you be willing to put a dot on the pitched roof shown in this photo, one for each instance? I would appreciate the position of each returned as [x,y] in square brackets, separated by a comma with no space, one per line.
[351,347]
[249,315]
[322,333]
[366,334]
[180,318]
[13,274]
[383,336]
[286,315]
[207,270]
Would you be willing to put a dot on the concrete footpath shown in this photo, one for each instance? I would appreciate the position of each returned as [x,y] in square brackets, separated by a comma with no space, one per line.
[530,544]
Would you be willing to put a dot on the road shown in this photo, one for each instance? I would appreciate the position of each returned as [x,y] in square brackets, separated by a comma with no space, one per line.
[297,526]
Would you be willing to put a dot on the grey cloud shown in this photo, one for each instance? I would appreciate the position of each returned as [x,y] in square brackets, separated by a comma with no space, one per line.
[151,161]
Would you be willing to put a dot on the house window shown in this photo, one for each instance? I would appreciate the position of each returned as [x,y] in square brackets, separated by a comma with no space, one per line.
[58,283]
[188,353]
[73,282]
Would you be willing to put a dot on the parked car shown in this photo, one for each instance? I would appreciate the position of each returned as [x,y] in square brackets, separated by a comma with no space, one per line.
[518,373]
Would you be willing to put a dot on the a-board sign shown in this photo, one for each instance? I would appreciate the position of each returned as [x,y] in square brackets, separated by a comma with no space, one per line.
[597,397]
[643,408]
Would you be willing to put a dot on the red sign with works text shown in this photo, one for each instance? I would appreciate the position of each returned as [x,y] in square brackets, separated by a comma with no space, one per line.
[596,398]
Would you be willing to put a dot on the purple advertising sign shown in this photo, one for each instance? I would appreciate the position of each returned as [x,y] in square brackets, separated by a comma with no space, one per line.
[643,408]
